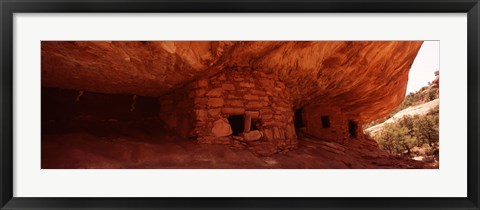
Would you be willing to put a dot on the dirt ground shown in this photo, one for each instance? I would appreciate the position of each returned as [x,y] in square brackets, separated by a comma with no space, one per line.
[111,144]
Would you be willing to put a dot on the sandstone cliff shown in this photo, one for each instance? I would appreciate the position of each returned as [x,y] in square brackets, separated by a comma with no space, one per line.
[364,79]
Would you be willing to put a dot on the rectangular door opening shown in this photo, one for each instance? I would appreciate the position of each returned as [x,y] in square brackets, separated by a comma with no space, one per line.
[325,122]
[298,119]
[352,128]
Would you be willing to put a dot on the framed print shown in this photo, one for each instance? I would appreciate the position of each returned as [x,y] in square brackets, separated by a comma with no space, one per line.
[239,105]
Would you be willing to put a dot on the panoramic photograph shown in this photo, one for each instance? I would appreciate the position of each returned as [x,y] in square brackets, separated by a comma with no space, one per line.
[240,104]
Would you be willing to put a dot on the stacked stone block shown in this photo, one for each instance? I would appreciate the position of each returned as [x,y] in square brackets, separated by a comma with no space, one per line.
[237,92]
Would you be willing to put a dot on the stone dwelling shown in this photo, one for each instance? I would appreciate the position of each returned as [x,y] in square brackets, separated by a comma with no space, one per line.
[239,107]
[251,109]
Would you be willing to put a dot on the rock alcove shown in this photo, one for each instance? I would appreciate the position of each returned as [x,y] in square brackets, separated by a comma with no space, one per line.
[262,96]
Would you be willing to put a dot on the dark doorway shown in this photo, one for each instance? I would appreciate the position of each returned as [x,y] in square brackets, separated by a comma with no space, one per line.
[325,122]
[352,128]
[298,119]
[237,122]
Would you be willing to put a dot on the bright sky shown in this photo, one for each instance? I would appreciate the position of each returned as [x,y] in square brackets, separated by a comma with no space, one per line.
[424,66]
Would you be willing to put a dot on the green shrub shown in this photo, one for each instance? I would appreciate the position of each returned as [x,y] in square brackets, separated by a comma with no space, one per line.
[396,139]
[408,132]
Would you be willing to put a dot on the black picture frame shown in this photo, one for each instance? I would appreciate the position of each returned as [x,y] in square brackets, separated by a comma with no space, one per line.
[9,7]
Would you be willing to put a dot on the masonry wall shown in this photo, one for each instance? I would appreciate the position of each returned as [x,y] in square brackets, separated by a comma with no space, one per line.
[338,130]
[238,92]
[176,112]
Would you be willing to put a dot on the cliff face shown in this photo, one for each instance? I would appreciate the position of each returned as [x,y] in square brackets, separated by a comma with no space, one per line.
[363,79]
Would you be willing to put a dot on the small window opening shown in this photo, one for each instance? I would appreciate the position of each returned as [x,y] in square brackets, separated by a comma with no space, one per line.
[352,128]
[298,119]
[325,121]
[237,122]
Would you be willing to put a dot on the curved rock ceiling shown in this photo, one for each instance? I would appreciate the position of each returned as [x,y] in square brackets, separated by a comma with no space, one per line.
[367,79]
